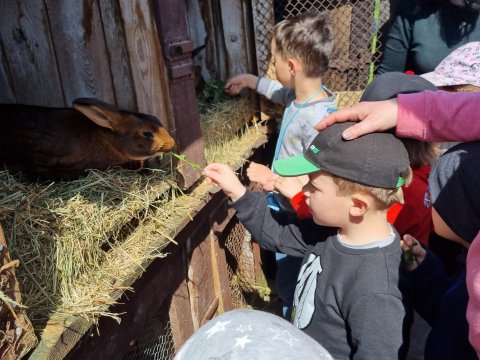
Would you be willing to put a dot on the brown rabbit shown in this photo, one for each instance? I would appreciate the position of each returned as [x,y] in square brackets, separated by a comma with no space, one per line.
[61,143]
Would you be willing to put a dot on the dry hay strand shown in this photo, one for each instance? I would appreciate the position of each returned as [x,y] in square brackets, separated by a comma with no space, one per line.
[61,233]
[225,129]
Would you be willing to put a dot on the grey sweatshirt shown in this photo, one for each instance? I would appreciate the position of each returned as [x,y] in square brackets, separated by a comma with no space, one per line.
[348,299]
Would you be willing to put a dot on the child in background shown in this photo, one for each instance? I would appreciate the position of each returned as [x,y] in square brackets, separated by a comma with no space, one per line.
[348,294]
[455,199]
[300,50]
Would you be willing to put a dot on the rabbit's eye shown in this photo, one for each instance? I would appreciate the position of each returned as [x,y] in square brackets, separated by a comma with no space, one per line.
[148,135]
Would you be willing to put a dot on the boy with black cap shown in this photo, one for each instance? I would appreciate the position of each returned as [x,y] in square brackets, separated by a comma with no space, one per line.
[348,293]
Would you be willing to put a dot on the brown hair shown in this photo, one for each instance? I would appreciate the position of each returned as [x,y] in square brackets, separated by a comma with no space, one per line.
[384,198]
[307,37]
[420,152]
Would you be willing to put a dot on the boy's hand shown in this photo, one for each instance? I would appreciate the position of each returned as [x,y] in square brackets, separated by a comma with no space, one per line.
[261,174]
[288,186]
[223,176]
[239,82]
[413,252]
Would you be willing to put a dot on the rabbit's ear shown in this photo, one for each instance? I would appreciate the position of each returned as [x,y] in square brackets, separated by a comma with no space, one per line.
[98,113]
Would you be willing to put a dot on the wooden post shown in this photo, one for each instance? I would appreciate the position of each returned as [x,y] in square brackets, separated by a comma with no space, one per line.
[170,17]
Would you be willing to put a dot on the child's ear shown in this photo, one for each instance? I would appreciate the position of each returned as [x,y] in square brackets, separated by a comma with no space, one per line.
[360,205]
[292,66]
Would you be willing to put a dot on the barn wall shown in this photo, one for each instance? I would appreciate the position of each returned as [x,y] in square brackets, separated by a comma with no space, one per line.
[54,52]
[222,33]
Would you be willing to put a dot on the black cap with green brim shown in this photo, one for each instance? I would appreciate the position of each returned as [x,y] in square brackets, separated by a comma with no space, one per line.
[377,159]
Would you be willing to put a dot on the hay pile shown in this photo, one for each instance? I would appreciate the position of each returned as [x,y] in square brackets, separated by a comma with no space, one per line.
[82,243]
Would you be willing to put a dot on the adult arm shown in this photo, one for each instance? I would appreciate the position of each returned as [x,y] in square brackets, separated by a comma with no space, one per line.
[439,116]
[473,286]
[430,116]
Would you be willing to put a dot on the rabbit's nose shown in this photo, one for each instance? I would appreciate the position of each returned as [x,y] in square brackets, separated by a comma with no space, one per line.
[164,141]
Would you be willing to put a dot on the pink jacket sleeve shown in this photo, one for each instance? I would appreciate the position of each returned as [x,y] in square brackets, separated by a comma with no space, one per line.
[439,116]
[473,286]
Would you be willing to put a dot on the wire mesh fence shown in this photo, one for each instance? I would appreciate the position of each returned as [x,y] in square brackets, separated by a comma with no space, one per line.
[155,342]
[356,25]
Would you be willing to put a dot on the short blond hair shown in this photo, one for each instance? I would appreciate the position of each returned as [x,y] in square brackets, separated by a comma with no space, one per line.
[384,198]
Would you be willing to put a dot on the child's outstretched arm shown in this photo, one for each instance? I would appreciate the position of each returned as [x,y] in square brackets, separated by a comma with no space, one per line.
[235,84]
[223,176]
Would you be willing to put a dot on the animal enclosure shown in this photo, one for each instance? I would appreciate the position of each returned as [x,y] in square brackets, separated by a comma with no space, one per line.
[164,233]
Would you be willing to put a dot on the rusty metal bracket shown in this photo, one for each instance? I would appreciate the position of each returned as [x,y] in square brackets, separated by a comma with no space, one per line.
[180,48]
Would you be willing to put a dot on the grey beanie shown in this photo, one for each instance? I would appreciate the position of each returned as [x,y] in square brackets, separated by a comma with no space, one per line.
[454,185]
[389,85]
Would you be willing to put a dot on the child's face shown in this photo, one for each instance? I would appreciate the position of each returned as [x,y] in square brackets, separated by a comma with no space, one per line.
[326,206]
[282,71]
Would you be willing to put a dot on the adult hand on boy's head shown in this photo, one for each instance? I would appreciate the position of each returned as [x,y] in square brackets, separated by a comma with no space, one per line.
[373,116]
[413,252]
[223,176]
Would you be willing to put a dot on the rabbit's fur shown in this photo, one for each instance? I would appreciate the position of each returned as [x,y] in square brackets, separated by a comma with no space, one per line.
[62,143]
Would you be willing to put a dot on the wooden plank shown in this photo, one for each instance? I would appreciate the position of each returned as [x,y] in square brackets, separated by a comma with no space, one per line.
[220,275]
[234,37]
[146,61]
[198,34]
[201,283]
[118,55]
[249,36]
[32,66]
[180,316]
[59,337]
[80,47]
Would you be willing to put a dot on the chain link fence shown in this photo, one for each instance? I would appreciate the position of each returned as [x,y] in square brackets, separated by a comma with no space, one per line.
[357,50]
[155,342]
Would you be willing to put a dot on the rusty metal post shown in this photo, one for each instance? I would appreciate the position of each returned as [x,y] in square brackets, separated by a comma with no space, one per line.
[170,17]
